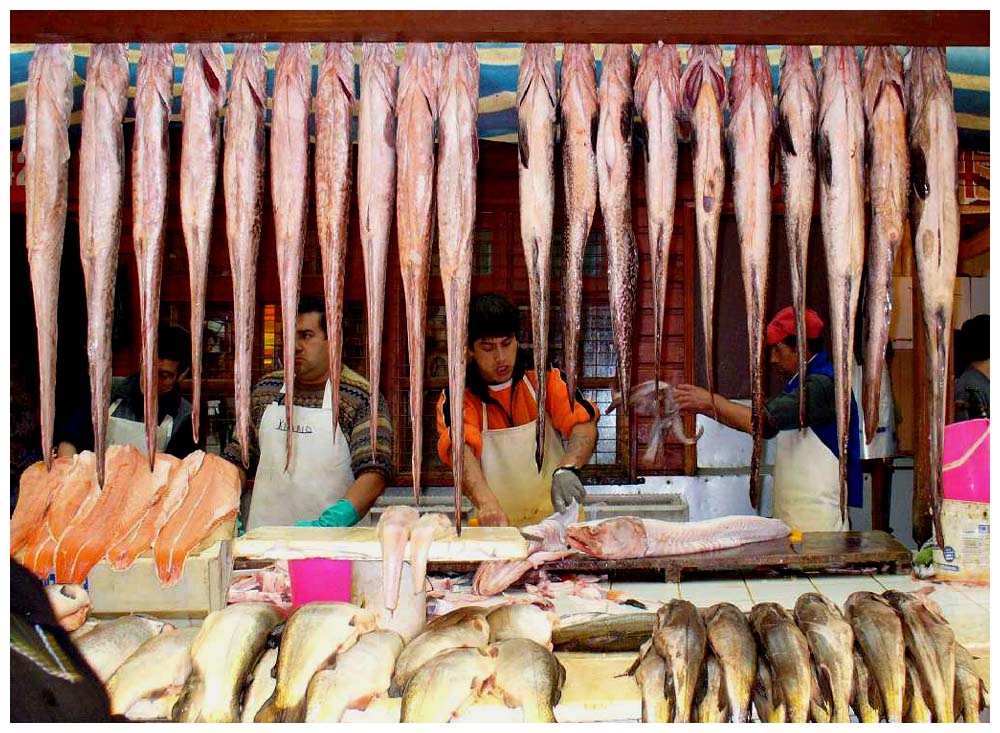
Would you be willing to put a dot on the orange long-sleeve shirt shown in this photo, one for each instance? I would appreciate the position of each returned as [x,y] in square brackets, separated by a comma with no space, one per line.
[511,407]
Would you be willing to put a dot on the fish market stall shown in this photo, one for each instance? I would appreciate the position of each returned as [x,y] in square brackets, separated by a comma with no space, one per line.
[184,191]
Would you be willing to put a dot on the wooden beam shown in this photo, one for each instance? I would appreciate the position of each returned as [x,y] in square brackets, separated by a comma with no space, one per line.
[977,244]
[856,27]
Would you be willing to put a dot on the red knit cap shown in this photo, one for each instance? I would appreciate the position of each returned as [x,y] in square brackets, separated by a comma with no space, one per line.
[783,325]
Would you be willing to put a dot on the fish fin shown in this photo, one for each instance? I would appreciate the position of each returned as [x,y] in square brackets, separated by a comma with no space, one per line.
[692,84]
[785,135]
[475,145]
[918,173]
[824,161]
[214,84]
[269,712]
[522,145]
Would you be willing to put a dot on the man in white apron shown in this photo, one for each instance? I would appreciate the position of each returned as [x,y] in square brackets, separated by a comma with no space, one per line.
[806,465]
[501,477]
[126,414]
[333,480]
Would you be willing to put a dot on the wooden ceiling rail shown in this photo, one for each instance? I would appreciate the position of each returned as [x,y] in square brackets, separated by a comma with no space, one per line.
[814,27]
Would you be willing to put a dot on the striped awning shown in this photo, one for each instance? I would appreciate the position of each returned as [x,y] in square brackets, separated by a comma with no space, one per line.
[968,68]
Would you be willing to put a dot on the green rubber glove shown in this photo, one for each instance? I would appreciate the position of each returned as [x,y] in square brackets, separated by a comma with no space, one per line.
[240,529]
[341,514]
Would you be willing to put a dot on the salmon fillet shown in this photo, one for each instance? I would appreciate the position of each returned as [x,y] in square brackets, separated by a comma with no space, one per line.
[128,491]
[213,496]
[38,485]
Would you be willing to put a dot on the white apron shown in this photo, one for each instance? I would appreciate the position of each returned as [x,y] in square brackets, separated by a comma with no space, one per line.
[508,462]
[320,473]
[806,483]
[130,432]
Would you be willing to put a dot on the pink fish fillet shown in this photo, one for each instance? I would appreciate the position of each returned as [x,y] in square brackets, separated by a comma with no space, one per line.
[243,184]
[37,488]
[47,106]
[150,182]
[202,98]
[290,198]
[429,528]
[393,532]
[102,152]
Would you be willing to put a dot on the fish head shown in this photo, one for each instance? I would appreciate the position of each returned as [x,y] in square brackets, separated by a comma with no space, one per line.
[538,67]
[659,64]
[704,68]
[338,63]
[616,66]
[620,537]
[421,69]
[751,71]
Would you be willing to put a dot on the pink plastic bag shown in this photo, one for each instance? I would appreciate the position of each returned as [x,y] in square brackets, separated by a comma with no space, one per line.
[966,461]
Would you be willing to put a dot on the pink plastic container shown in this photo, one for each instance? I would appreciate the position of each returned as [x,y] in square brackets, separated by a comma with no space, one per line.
[966,461]
[319,579]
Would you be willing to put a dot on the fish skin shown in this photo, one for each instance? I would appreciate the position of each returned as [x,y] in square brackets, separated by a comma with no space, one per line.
[888,185]
[108,646]
[314,635]
[680,638]
[47,106]
[150,183]
[650,673]
[703,96]
[750,132]
[458,154]
[158,667]
[521,621]
[930,643]
[831,641]
[657,101]
[537,97]
[290,198]
[228,644]
[446,684]
[393,532]
[798,104]
[731,639]
[878,633]
[528,676]
[262,685]
[472,633]
[841,143]
[578,107]
[787,652]
[361,673]
[431,527]
[971,696]
[614,169]
[710,702]
[417,106]
[456,617]
[333,161]
[102,167]
[202,98]
[376,191]
[608,632]
[866,700]
[916,708]
[933,141]
[243,187]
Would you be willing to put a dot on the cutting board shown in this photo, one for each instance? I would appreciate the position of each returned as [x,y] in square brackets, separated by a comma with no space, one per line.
[359,543]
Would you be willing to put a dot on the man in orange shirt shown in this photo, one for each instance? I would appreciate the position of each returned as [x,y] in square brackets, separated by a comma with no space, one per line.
[501,478]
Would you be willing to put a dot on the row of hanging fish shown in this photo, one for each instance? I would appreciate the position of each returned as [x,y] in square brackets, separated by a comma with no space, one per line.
[890,657]
[65,523]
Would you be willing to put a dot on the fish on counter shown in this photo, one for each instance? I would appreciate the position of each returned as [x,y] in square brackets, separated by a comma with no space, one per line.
[455,617]
[528,676]
[631,537]
[916,706]
[48,102]
[243,187]
[820,699]
[376,191]
[751,127]
[605,632]
[703,95]
[447,684]
[878,633]
[657,101]
[866,700]
[359,675]
[798,105]
[787,653]
[393,532]
[203,96]
[710,704]
[102,171]
[831,643]
[579,115]
[417,107]
[314,635]
[159,668]
[108,646]
[650,673]
[495,576]
[290,198]
[472,633]
[537,98]
[521,621]
[614,170]
[767,700]
[680,638]
[261,686]
[431,526]
[333,155]
[70,605]
[228,644]
[935,230]
[971,695]
[458,154]
[731,640]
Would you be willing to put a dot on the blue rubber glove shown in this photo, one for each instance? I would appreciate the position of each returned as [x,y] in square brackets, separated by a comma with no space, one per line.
[341,514]
[240,529]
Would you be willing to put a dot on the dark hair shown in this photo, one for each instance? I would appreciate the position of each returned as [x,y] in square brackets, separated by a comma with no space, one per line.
[492,316]
[314,304]
[975,338]
[814,345]
[174,344]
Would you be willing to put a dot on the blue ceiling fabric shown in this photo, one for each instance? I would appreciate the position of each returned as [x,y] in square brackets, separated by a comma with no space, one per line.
[967,66]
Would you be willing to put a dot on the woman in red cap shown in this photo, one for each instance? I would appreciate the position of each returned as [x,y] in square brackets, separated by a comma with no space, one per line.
[806,471]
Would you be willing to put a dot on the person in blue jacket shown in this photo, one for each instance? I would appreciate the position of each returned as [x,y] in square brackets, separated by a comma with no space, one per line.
[806,465]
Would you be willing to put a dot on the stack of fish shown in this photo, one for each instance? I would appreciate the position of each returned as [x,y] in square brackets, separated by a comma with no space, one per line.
[889,657]
[64,522]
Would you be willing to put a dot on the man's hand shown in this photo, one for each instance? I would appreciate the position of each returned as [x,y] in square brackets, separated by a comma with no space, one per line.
[491,514]
[693,399]
[566,486]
